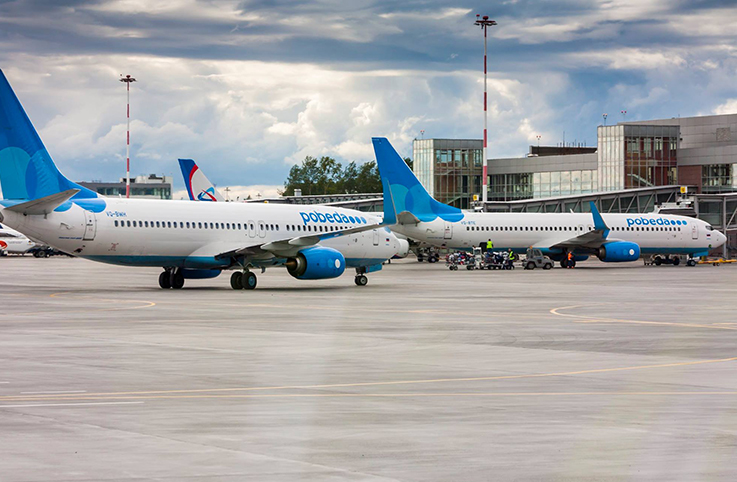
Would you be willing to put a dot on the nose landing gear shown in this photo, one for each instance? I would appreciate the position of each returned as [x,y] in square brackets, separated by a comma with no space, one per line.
[361,279]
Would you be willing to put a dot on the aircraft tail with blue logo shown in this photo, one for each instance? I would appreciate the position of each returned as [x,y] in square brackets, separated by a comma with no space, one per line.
[198,186]
[405,200]
[27,171]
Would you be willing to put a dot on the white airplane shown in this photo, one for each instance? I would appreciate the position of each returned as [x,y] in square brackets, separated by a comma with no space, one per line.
[410,210]
[13,242]
[189,240]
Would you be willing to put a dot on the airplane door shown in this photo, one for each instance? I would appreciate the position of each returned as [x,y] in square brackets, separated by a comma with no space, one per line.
[251,229]
[448,234]
[90,226]
[694,232]
[376,237]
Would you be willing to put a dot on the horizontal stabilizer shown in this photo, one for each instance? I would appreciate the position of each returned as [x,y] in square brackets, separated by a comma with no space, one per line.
[406,217]
[44,205]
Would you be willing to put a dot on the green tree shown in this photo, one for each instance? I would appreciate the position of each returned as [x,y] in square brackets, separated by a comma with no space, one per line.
[328,176]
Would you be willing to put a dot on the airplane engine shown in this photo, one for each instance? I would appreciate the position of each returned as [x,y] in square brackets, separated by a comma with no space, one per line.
[403,250]
[316,263]
[619,251]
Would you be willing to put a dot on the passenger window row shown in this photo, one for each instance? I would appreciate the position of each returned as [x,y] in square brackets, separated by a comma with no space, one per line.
[182,225]
[524,228]
[568,228]
[226,226]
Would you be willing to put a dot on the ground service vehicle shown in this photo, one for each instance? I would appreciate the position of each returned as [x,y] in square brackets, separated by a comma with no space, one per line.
[536,259]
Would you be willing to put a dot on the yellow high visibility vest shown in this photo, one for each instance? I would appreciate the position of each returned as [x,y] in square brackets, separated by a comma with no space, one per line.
[489,245]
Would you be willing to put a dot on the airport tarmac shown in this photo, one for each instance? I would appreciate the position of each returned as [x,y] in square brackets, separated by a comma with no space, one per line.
[605,372]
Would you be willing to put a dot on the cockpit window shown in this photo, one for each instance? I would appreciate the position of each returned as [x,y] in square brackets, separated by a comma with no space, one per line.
[709,228]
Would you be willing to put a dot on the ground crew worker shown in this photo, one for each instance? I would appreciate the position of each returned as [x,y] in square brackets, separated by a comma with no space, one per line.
[570,260]
[489,246]
[511,255]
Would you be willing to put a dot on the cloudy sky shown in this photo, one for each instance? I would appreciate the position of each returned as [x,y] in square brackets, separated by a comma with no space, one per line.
[247,88]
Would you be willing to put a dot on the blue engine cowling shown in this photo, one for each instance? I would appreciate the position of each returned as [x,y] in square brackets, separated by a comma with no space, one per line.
[316,263]
[619,251]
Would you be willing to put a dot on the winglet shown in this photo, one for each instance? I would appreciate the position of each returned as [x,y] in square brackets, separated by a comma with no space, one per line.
[599,223]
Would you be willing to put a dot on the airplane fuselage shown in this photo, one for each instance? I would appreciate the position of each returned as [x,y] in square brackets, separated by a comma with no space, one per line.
[190,234]
[654,233]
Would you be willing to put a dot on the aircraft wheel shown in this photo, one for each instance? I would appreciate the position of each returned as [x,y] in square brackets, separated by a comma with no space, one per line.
[165,280]
[361,280]
[177,280]
[530,265]
[249,280]
[563,263]
[236,280]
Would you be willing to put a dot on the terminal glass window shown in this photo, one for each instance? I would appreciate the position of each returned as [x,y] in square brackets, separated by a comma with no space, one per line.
[716,178]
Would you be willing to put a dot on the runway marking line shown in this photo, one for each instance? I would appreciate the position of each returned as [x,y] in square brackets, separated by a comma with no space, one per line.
[594,319]
[68,404]
[146,304]
[152,393]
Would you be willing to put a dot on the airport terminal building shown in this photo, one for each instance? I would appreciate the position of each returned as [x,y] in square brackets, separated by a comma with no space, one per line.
[700,152]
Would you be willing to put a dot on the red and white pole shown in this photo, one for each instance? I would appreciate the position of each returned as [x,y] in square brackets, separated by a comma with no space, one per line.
[485,187]
[128,79]
[485,23]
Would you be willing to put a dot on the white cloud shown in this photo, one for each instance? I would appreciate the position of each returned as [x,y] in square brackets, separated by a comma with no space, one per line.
[729,107]
[628,59]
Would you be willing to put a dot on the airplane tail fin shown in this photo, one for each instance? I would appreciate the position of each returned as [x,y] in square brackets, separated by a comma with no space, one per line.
[405,200]
[198,186]
[26,168]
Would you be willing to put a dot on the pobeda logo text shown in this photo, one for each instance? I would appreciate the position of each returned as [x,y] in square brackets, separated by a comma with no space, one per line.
[317,217]
[654,222]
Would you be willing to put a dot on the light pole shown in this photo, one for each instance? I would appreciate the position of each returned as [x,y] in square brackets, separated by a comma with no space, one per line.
[624,115]
[128,79]
[538,142]
[605,116]
[485,23]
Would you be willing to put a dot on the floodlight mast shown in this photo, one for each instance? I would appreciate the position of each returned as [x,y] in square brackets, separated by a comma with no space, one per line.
[128,79]
[485,23]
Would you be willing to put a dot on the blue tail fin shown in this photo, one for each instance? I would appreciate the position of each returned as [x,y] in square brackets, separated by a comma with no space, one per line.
[403,193]
[26,168]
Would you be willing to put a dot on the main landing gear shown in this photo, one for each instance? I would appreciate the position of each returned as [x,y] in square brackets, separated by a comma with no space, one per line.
[361,279]
[243,280]
[171,278]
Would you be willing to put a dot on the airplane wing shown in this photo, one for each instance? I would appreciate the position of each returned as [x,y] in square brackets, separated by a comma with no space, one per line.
[291,246]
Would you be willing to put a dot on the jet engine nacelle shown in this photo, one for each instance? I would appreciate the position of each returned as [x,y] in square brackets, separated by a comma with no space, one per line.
[316,263]
[403,249]
[619,251]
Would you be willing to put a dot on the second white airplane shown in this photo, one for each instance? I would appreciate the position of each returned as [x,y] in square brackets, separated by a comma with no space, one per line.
[410,210]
